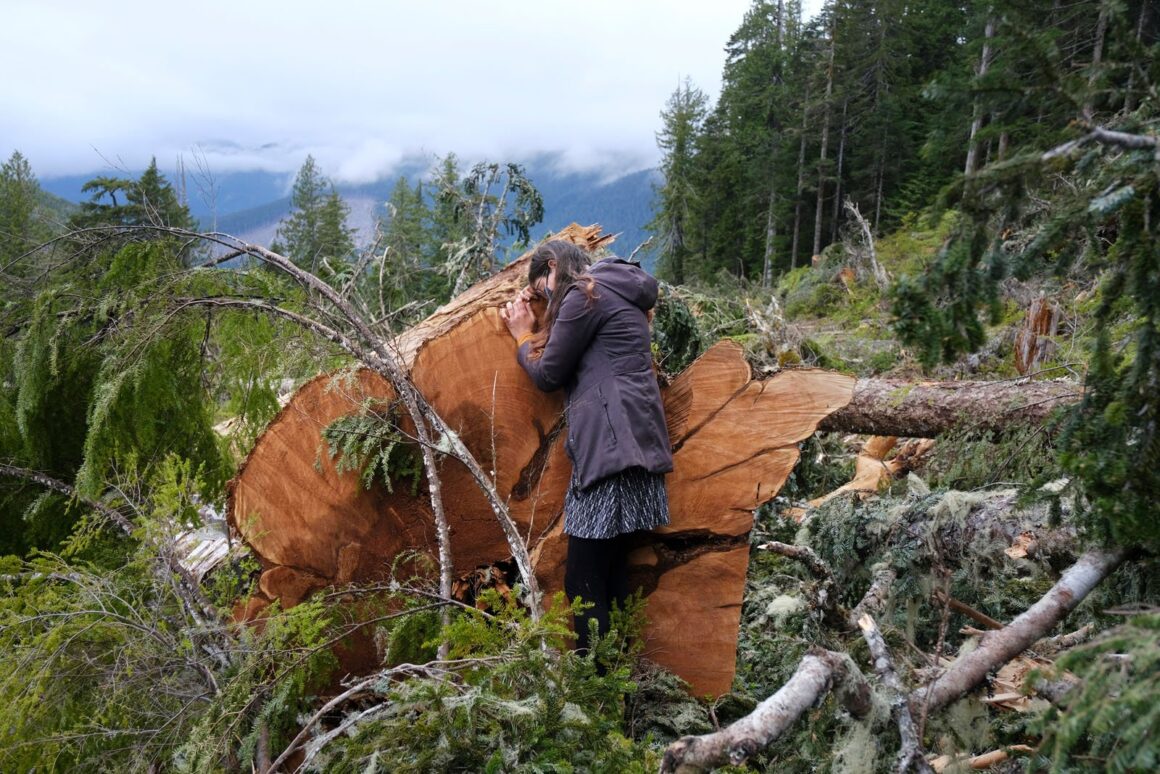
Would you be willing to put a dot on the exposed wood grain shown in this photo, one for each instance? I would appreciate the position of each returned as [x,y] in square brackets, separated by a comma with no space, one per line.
[735,443]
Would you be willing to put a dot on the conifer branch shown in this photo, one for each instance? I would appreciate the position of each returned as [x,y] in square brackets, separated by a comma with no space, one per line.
[432,431]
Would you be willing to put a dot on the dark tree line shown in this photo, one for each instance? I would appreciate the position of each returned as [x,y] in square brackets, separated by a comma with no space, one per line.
[883,102]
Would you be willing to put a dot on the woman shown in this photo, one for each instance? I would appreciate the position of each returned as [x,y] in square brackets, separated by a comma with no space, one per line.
[594,342]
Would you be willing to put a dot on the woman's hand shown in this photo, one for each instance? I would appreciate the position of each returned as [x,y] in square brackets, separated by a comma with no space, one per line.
[517,315]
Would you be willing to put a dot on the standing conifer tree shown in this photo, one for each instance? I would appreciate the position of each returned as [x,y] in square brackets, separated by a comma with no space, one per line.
[22,226]
[316,229]
[676,197]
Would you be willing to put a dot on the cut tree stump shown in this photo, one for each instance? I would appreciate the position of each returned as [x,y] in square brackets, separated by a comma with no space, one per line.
[734,439]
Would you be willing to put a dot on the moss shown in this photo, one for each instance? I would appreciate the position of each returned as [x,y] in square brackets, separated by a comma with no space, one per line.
[819,352]
[883,361]
[897,396]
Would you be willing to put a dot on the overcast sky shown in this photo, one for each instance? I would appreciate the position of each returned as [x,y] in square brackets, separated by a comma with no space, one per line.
[258,84]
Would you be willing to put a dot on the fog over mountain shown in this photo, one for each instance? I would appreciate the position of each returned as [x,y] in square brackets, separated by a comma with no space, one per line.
[251,204]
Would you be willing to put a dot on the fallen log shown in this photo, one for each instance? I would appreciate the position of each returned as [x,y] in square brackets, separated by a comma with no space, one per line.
[734,438]
[890,407]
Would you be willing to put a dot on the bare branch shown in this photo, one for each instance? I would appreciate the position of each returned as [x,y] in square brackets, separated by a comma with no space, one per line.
[999,647]
[874,600]
[910,753]
[817,673]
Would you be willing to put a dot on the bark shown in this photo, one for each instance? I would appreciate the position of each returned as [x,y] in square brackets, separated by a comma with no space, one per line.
[801,181]
[926,410]
[818,209]
[837,206]
[874,600]
[770,238]
[1097,57]
[943,599]
[818,672]
[998,647]
[1129,88]
[977,122]
[735,442]
[880,276]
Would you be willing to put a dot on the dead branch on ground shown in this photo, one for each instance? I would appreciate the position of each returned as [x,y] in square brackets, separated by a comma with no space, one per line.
[819,672]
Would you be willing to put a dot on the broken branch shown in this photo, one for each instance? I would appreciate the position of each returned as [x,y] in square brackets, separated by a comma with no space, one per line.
[818,672]
[999,647]
[910,752]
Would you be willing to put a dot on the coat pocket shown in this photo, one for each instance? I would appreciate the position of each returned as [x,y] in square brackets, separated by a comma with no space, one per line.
[609,427]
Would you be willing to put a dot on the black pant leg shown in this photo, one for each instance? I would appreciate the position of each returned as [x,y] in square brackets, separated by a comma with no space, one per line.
[619,589]
[586,575]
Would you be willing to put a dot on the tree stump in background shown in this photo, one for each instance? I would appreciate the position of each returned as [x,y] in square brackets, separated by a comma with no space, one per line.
[1033,343]
[734,438]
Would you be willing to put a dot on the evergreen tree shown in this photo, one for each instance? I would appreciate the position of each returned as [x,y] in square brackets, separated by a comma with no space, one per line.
[447,227]
[676,197]
[22,225]
[406,274]
[493,209]
[1096,170]
[316,229]
[155,201]
[147,201]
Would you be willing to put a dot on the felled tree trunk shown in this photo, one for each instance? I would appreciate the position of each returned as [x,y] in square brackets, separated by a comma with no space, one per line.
[735,442]
[925,410]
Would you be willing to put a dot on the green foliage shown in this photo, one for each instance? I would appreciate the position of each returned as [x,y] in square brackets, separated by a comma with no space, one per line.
[810,114]
[677,336]
[407,282]
[107,665]
[516,704]
[1099,226]
[24,223]
[676,198]
[95,389]
[107,633]
[966,460]
[490,212]
[148,201]
[315,235]
[1108,721]
[371,442]
[277,671]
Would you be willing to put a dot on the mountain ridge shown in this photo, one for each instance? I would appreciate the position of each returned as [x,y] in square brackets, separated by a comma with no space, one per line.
[260,200]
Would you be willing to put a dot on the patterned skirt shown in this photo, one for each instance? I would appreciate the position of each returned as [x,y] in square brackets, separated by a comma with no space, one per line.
[628,501]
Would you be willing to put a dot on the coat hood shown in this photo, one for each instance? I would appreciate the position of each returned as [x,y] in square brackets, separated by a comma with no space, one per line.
[628,280]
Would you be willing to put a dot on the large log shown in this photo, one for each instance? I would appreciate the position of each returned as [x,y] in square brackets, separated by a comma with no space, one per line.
[735,442]
[928,409]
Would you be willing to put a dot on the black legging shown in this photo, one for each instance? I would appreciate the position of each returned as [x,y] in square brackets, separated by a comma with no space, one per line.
[597,572]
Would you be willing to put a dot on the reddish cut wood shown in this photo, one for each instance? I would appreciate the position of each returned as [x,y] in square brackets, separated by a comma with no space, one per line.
[735,442]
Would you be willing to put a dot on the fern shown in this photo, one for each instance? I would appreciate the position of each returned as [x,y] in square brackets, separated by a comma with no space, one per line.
[370,442]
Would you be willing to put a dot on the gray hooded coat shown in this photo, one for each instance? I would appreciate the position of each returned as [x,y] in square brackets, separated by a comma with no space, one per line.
[599,352]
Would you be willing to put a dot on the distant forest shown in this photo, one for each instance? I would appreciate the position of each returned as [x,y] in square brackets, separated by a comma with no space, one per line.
[884,103]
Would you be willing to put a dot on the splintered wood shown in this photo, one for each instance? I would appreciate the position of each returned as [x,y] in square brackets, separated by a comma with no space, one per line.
[734,439]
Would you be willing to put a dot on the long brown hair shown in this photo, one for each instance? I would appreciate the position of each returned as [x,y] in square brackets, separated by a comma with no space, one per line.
[572,264]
